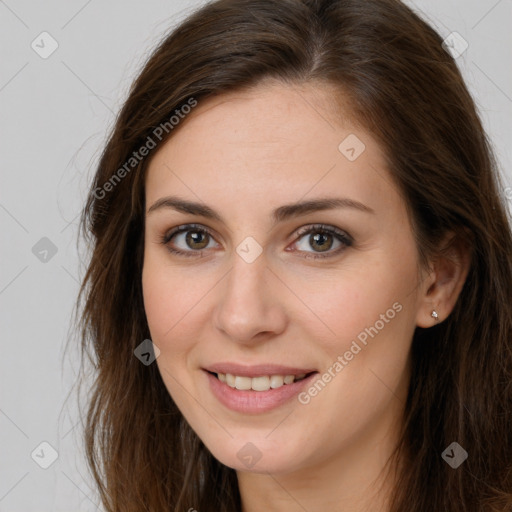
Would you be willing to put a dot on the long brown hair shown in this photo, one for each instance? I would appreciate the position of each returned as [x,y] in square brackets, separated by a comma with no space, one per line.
[405,89]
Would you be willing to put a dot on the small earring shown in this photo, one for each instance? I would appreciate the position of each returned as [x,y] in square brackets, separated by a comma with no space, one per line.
[435,315]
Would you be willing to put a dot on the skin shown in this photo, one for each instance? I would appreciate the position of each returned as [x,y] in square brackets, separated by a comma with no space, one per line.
[235,154]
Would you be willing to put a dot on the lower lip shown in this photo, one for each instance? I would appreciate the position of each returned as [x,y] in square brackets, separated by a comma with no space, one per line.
[253,402]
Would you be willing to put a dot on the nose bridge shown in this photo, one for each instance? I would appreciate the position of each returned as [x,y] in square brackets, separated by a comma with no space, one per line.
[247,303]
[247,276]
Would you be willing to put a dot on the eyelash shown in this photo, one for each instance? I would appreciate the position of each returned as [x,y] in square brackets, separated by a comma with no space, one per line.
[341,236]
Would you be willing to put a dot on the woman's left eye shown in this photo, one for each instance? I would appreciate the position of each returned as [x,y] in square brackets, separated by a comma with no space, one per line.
[195,239]
[322,239]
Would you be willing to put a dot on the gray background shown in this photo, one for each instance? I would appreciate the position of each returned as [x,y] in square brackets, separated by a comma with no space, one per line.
[56,113]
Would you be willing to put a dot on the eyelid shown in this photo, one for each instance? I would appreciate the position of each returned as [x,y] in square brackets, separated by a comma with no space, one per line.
[183,228]
[325,228]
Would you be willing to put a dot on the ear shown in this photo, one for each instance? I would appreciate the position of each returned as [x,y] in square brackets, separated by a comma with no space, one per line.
[443,283]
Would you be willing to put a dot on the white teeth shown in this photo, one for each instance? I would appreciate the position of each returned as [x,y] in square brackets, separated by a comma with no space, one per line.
[260,383]
[243,383]
[230,380]
[263,383]
[276,381]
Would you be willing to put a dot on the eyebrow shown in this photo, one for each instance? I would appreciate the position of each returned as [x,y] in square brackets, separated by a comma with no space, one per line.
[280,214]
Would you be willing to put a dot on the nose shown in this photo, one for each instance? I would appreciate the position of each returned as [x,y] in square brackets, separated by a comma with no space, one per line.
[248,307]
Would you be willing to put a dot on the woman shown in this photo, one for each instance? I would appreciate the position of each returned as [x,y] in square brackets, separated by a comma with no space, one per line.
[300,291]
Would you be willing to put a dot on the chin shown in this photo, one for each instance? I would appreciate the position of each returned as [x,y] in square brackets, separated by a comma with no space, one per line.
[257,457]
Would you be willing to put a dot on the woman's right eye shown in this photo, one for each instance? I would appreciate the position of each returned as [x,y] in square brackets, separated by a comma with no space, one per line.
[188,240]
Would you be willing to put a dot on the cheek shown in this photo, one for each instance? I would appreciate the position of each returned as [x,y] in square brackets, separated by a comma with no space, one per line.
[168,298]
[365,364]
[172,295]
[370,312]
[169,301]
[346,303]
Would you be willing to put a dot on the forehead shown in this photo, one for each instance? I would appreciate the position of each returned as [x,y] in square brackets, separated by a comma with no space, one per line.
[273,143]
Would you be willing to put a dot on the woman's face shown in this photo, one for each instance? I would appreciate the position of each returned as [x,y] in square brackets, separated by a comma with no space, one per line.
[271,280]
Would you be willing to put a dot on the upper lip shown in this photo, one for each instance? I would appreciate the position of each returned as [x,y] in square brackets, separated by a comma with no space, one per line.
[258,370]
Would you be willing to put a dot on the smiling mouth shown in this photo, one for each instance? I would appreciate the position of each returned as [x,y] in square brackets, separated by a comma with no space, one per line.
[262,383]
